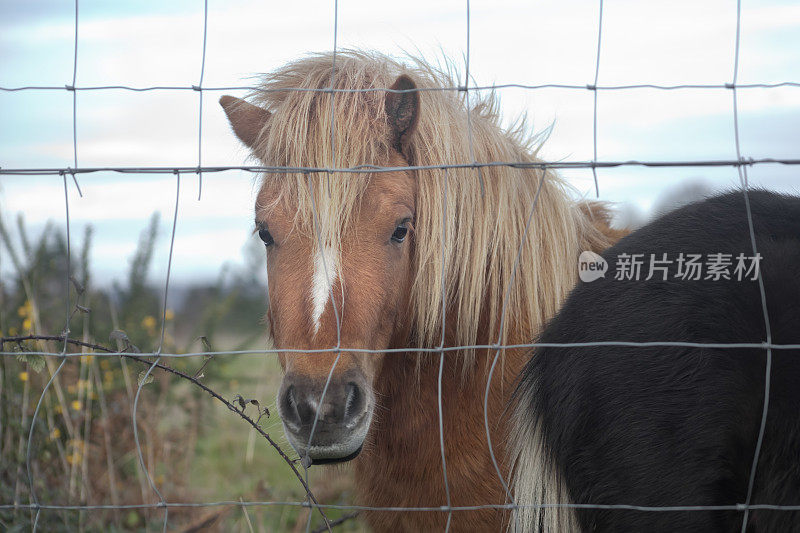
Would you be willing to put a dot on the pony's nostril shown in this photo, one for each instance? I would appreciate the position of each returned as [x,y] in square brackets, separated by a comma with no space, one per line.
[289,407]
[354,402]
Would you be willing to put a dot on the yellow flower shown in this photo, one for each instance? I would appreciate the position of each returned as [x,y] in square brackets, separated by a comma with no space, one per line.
[86,358]
[12,332]
[23,376]
[74,458]
[27,324]
[25,309]
[169,315]
[76,405]
[149,322]
[105,364]
[56,433]
[58,409]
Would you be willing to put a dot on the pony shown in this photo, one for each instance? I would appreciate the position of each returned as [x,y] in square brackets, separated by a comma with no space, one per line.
[365,254]
[671,426]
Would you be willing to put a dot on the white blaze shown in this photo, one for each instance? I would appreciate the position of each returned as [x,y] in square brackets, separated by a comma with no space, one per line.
[324,276]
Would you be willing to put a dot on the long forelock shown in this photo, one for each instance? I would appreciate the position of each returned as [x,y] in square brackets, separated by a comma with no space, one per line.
[308,129]
[483,211]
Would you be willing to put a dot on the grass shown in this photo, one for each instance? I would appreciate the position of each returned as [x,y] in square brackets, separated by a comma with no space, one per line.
[83,450]
[234,462]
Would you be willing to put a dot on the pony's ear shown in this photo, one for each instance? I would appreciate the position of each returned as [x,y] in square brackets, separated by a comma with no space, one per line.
[402,110]
[246,119]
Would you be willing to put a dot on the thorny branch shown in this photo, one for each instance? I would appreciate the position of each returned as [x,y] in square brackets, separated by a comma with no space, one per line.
[328,524]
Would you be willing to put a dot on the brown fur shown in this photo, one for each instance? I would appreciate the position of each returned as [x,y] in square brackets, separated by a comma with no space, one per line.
[401,465]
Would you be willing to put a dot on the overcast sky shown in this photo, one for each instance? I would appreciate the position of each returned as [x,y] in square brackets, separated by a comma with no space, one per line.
[144,43]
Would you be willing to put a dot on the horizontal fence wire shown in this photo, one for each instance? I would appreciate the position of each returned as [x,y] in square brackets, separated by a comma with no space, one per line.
[441,508]
[256,89]
[740,163]
[595,344]
[368,169]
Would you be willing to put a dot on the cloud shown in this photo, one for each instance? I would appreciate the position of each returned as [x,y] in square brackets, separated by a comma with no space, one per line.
[160,43]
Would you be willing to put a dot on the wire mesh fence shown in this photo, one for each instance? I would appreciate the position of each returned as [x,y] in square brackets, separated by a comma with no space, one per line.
[56,346]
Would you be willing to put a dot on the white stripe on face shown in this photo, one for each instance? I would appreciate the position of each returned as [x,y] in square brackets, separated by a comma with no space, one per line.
[325,270]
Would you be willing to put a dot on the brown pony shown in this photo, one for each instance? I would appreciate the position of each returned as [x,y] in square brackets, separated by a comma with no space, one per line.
[363,260]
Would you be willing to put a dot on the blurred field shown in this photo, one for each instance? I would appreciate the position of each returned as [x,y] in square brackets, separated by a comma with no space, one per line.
[83,450]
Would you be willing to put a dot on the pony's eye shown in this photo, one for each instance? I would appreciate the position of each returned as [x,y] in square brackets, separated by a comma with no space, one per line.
[266,236]
[400,233]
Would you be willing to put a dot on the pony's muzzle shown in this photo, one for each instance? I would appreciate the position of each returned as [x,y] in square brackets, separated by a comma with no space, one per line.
[339,422]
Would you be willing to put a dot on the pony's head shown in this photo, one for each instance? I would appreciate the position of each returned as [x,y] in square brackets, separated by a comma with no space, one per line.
[339,258]
[363,260]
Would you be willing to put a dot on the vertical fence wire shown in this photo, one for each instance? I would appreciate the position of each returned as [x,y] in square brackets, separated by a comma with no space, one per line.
[68,314]
[500,347]
[34,500]
[441,353]
[169,262]
[75,102]
[468,105]
[157,353]
[326,269]
[768,330]
[143,378]
[322,246]
[199,88]
[594,94]
[333,92]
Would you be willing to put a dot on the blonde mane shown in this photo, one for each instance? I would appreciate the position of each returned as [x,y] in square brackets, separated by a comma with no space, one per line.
[484,226]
